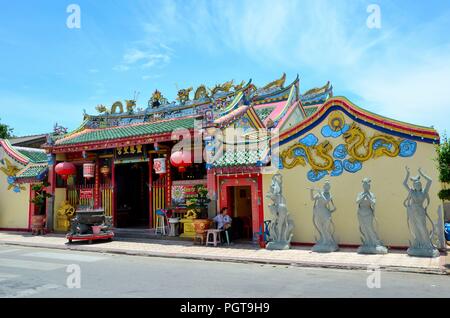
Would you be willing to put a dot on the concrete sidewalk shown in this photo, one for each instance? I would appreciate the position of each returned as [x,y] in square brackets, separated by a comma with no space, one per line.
[297,256]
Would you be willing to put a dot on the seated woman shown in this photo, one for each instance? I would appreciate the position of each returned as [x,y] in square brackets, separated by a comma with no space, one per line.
[223,221]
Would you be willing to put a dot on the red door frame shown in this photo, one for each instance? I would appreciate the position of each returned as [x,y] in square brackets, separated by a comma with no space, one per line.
[255,182]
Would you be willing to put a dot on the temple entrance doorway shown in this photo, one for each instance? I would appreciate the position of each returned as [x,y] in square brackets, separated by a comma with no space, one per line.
[240,209]
[132,195]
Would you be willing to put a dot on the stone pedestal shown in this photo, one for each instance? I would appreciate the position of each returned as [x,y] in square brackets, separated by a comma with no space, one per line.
[188,228]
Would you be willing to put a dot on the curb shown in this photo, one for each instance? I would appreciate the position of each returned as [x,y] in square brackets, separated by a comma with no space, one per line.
[401,269]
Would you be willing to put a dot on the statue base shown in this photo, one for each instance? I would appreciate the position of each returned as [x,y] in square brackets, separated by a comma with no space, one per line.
[371,249]
[423,252]
[324,248]
[278,245]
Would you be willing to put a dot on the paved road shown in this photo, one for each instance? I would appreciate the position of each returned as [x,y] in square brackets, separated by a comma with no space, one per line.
[38,272]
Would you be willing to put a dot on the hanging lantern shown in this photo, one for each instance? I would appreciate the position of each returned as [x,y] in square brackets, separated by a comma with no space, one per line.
[105,170]
[159,164]
[89,170]
[181,160]
[65,169]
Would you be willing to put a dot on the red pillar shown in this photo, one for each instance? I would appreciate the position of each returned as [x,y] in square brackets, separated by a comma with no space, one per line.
[150,193]
[114,203]
[97,186]
[168,184]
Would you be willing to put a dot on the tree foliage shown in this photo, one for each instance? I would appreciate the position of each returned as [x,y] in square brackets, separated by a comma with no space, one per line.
[443,159]
[5,131]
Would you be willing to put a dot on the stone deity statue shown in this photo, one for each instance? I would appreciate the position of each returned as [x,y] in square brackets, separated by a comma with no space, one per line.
[323,208]
[421,244]
[366,200]
[280,229]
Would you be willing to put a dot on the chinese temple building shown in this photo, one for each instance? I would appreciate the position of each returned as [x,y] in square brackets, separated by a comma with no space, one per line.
[132,161]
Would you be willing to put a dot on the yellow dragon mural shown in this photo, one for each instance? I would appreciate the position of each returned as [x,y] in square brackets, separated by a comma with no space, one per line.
[322,151]
[11,171]
[361,148]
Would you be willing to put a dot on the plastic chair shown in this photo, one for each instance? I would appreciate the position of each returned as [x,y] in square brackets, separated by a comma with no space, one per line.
[215,237]
[161,222]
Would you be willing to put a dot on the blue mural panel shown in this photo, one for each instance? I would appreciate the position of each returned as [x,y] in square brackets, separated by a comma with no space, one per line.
[379,143]
[340,152]
[352,166]
[316,176]
[407,148]
[328,132]
[299,152]
[309,140]
[338,168]
[11,180]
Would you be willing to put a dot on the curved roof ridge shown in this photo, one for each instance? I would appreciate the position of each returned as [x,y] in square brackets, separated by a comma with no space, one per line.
[12,152]
[421,133]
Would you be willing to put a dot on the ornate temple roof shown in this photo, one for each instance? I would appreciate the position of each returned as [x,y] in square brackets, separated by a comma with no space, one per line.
[160,116]
[128,131]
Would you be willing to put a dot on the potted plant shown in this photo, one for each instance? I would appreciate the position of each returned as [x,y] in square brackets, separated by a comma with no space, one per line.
[39,199]
[200,203]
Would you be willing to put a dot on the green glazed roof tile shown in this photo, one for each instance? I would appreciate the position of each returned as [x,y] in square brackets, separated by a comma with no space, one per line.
[32,171]
[34,155]
[240,158]
[92,135]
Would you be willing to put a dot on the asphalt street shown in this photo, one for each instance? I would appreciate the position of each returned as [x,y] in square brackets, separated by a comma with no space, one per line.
[39,272]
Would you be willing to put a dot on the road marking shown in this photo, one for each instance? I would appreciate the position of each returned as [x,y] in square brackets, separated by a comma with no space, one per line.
[40,266]
[33,291]
[8,251]
[7,276]
[66,256]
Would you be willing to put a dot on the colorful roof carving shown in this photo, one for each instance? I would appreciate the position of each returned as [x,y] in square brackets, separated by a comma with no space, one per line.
[317,96]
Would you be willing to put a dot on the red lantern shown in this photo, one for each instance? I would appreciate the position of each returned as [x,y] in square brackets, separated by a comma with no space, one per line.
[89,170]
[181,160]
[65,169]
[105,171]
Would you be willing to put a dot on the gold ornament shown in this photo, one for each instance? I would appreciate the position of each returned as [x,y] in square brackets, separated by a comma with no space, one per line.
[321,151]
[360,148]
[336,121]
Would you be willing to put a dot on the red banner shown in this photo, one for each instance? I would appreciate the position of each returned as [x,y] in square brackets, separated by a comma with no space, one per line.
[86,194]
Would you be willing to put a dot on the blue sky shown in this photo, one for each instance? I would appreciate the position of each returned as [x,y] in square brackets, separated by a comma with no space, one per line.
[50,73]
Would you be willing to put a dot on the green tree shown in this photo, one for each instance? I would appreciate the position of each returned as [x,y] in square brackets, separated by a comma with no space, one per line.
[5,131]
[443,159]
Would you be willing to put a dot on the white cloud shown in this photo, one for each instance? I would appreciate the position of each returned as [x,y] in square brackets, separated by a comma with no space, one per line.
[93,70]
[150,77]
[121,68]
[400,70]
